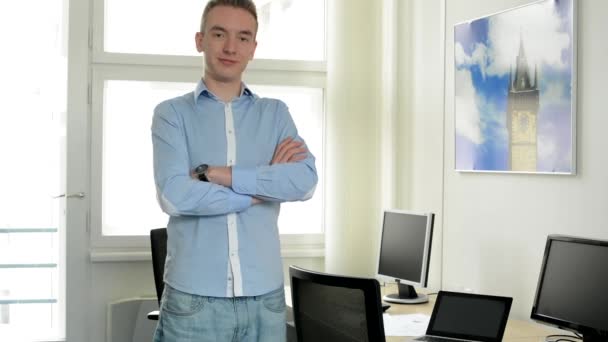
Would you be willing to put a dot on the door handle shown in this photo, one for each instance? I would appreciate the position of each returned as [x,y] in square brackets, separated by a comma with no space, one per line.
[76,194]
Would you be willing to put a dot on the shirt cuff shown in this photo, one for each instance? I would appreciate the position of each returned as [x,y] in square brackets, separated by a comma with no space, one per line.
[244,180]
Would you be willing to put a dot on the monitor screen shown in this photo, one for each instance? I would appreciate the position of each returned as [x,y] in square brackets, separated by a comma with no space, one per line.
[572,287]
[405,247]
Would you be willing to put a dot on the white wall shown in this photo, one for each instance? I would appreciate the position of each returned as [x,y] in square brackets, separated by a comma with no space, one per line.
[495,225]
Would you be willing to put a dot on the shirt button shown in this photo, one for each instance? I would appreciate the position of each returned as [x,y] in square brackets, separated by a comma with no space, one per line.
[229,278]
[230,131]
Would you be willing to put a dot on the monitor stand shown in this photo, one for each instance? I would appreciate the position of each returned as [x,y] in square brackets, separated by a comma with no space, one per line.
[406,295]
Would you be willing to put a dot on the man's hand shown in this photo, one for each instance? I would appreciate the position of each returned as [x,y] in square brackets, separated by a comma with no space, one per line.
[288,151]
[221,175]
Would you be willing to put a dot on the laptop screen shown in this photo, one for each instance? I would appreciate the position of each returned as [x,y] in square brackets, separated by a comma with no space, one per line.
[469,316]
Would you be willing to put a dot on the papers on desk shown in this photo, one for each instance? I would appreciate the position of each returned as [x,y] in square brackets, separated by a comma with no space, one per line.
[405,325]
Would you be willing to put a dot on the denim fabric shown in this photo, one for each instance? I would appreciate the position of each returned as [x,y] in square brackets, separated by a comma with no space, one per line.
[190,318]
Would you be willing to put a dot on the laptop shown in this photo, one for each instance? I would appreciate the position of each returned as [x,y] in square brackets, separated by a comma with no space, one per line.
[467,317]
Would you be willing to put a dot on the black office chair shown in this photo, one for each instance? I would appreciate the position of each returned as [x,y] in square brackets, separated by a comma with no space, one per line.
[158,245]
[335,308]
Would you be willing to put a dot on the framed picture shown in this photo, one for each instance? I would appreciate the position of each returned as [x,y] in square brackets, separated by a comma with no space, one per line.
[515,87]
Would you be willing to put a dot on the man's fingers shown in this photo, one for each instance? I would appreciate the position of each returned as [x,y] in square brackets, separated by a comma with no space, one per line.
[289,151]
[285,150]
[293,152]
[280,150]
[297,157]
[291,155]
[284,143]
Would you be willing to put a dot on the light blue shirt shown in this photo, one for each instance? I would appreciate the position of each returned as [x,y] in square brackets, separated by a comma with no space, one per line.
[219,244]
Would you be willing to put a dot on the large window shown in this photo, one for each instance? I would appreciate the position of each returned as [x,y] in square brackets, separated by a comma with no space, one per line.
[289,29]
[134,67]
[32,141]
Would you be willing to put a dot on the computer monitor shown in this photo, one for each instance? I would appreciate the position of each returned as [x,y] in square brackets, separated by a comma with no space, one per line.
[572,291]
[405,253]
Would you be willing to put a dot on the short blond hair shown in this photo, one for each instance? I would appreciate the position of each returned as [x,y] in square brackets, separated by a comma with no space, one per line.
[247,5]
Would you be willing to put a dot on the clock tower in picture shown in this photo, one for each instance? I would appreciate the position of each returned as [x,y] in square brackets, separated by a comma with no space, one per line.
[522,115]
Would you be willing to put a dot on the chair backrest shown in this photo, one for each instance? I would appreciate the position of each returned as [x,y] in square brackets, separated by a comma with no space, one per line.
[335,308]
[158,245]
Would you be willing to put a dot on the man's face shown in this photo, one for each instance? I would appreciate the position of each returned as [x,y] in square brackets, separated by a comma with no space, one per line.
[228,43]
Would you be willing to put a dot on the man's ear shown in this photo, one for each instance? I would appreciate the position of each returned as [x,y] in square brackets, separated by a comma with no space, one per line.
[198,39]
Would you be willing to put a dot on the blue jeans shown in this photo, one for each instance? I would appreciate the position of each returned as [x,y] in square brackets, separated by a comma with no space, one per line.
[190,318]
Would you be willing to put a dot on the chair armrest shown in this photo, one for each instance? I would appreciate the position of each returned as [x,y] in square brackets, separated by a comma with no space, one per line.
[153,315]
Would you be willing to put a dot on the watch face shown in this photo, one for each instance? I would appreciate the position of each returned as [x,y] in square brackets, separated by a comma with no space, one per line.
[200,172]
[201,169]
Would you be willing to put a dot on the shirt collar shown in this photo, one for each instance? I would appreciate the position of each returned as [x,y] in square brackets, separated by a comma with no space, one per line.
[201,89]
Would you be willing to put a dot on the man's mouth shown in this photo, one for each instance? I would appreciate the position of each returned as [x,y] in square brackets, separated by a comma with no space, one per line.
[227,62]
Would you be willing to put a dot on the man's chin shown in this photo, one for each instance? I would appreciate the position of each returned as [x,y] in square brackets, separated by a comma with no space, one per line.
[228,79]
[227,76]
[224,77]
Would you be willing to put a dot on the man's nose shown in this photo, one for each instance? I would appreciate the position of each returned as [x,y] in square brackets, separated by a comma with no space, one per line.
[230,45]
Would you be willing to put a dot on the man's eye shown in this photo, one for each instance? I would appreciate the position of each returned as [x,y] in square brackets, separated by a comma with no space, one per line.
[244,39]
[218,35]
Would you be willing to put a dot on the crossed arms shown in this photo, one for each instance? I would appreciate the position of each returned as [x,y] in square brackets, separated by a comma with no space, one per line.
[287,151]
[290,175]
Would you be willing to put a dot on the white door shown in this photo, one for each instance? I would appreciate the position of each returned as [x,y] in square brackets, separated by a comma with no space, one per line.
[44,201]
[33,138]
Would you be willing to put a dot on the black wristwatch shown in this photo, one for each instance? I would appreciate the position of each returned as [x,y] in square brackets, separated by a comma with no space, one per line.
[201,172]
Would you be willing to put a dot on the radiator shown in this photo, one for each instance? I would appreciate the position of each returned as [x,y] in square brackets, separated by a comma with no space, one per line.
[127,320]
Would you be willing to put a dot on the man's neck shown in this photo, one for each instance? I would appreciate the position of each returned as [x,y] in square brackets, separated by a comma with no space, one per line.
[226,91]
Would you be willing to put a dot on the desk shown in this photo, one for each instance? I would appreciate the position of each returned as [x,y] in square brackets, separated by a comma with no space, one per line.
[517,330]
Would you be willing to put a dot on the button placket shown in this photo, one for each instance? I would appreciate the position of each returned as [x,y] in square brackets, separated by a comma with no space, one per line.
[235,281]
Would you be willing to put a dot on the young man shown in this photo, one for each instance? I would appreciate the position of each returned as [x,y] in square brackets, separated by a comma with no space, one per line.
[224,160]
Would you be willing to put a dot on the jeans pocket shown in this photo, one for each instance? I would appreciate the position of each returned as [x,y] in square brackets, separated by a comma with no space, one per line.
[275,301]
[180,303]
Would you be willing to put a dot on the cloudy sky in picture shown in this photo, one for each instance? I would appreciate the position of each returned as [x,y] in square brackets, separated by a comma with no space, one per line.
[485,52]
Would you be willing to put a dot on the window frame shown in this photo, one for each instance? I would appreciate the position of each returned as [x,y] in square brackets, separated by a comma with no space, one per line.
[107,66]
